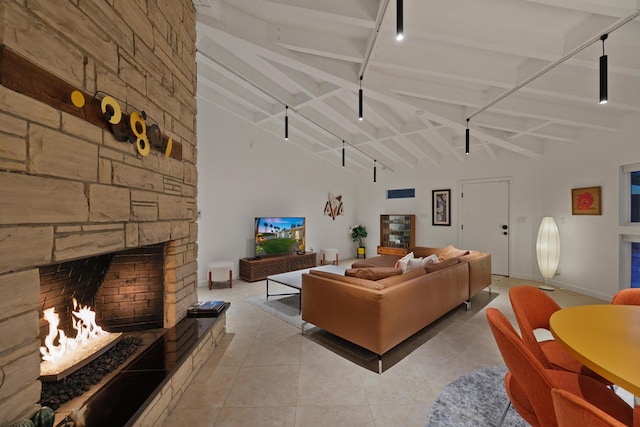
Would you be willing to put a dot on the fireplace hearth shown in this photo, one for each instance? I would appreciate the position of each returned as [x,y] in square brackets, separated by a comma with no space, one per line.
[143,387]
[55,393]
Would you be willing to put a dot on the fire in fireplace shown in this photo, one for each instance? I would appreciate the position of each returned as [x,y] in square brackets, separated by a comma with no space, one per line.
[61,354]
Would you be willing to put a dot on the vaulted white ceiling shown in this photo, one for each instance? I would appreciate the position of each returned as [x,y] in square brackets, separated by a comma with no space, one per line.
[256,56]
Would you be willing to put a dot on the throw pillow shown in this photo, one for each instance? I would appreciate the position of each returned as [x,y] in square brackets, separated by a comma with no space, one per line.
[451,252]
[431,259]
[373,273]
[413,264]
[402,262]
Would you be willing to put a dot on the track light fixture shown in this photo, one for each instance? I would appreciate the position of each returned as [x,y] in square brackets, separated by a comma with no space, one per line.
[360,100]
[374,170]
[343,153]
[466,139]
[399,21]
[286,122]
[603,73]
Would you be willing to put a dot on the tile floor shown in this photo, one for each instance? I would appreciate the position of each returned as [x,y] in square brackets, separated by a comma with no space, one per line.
[266,373]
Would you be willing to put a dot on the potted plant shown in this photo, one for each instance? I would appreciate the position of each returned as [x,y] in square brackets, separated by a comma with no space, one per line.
[358,234]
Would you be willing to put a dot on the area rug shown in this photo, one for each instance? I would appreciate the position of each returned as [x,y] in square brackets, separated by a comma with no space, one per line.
[285,308]
[475,399]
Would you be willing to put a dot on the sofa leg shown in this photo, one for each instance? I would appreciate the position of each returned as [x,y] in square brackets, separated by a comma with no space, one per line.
[302,328]
[489,289]
[380,364]
[467,303]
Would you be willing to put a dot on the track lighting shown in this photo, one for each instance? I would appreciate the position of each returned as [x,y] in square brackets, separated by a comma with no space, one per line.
[374,170]
[360,100]
[343,153]
[603,73]
[466,139]
[399,21]
[286,122]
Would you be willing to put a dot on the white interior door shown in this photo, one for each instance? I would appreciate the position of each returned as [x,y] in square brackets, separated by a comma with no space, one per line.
[485,221]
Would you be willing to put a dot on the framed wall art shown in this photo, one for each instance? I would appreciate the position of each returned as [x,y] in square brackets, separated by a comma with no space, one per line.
[441,207]
[586,201]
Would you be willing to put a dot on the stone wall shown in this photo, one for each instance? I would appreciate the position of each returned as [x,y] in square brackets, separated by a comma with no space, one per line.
[68,188]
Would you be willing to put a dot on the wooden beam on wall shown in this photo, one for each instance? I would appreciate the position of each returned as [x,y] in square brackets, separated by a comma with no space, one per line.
[25,77]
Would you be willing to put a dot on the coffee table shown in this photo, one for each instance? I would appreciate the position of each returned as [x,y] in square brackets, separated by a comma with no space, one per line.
[293,279]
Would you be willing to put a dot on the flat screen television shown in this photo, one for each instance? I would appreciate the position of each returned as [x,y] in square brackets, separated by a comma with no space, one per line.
[278,235]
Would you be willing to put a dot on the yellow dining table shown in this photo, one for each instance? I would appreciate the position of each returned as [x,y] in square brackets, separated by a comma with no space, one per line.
[604,337]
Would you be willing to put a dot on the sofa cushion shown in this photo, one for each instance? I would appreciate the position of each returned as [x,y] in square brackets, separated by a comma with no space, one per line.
[451,252]
[373,273]
[348,279]
[471,255]
[387,282]
[376,261]
[443,264]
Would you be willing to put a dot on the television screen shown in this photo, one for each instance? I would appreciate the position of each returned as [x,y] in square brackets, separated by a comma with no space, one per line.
[279,235]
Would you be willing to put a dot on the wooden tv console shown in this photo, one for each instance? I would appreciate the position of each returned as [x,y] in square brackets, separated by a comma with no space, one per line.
[258,269]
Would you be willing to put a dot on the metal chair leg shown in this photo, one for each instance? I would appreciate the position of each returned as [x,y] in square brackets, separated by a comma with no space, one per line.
[504,413]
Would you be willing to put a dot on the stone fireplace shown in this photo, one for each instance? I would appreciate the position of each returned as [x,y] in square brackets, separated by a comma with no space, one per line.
[74,198]
[125,289]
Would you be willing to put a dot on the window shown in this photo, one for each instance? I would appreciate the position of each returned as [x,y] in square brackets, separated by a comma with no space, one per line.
[630,220]
[404,193]
[630,194]
[635,265]
[635,196]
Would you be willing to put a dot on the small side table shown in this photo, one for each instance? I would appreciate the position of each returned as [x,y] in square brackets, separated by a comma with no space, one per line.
[220,271]
[329,256]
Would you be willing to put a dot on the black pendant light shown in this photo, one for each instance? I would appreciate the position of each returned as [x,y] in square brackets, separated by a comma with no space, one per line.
[360,101]
[467,137]
[343,153]
[286,122]
[374,170]
[604,97]
[399,21]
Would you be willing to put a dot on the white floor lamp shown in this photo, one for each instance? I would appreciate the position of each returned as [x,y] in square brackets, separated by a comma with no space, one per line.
[548,249]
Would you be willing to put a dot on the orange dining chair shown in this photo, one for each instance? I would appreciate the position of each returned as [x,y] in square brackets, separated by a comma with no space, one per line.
[533,309]
[518,398]
[630,296]
[572,411]
[537,381]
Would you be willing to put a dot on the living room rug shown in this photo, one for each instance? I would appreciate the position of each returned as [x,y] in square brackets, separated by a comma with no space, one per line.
[475,399]
[285,308]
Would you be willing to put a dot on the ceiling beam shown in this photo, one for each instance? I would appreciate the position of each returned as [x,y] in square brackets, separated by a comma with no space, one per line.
[314,43]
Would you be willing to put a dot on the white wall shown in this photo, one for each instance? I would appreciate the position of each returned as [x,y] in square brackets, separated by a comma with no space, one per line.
[539,187]
[239,181]
[245,172]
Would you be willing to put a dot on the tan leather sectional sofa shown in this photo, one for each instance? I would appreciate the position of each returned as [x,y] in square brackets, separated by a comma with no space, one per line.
[380,314]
